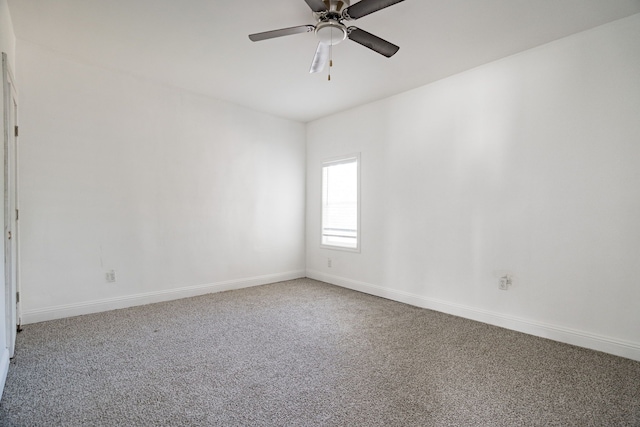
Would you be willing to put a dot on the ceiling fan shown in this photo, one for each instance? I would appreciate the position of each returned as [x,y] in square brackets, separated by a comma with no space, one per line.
[331,30]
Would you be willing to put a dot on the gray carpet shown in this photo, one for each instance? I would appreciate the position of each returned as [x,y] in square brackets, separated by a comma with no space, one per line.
[304,353]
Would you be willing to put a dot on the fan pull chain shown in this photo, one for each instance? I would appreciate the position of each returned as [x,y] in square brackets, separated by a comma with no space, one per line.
[330,56]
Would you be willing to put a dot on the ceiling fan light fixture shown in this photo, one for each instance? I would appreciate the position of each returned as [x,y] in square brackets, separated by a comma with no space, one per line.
[331,32]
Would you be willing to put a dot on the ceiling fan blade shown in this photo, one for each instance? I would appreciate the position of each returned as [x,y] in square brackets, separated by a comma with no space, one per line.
[282,32]
[320,58]
[317,5]
[374,43]
[365,7]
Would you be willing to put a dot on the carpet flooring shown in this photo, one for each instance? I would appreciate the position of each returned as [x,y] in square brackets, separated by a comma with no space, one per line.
[305,353]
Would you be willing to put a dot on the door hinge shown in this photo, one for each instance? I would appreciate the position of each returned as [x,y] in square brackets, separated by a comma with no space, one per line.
[17,296]
[16,133]
[17,214]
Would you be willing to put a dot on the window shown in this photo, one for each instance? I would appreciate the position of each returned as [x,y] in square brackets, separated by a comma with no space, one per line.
[340,203]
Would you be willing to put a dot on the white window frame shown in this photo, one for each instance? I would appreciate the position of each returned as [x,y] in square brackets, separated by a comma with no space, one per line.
[335,161]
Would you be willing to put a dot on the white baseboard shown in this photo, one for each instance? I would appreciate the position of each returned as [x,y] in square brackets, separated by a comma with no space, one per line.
[88,307]
[4,369]
[617,347]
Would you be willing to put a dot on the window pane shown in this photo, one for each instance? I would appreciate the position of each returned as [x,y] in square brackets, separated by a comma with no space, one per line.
[340,203]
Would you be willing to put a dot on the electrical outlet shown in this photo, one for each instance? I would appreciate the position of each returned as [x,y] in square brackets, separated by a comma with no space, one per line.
[505,282]
[110,276]
[329,262]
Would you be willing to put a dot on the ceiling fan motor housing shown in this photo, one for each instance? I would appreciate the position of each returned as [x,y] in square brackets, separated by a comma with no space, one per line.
[337,5]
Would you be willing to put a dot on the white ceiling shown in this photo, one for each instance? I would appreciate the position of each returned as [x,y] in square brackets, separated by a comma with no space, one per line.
[202,45]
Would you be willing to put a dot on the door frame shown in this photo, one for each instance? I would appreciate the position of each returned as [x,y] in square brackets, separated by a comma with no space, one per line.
[12,309]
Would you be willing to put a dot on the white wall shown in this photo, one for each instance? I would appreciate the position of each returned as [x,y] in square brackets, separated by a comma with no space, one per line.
[529,166]
[178,193]
[7,36]
[7,45]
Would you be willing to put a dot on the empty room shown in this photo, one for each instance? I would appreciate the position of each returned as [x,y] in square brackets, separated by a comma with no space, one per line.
[320,213]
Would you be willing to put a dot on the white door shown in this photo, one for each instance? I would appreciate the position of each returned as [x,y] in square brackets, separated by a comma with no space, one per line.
[10,204]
